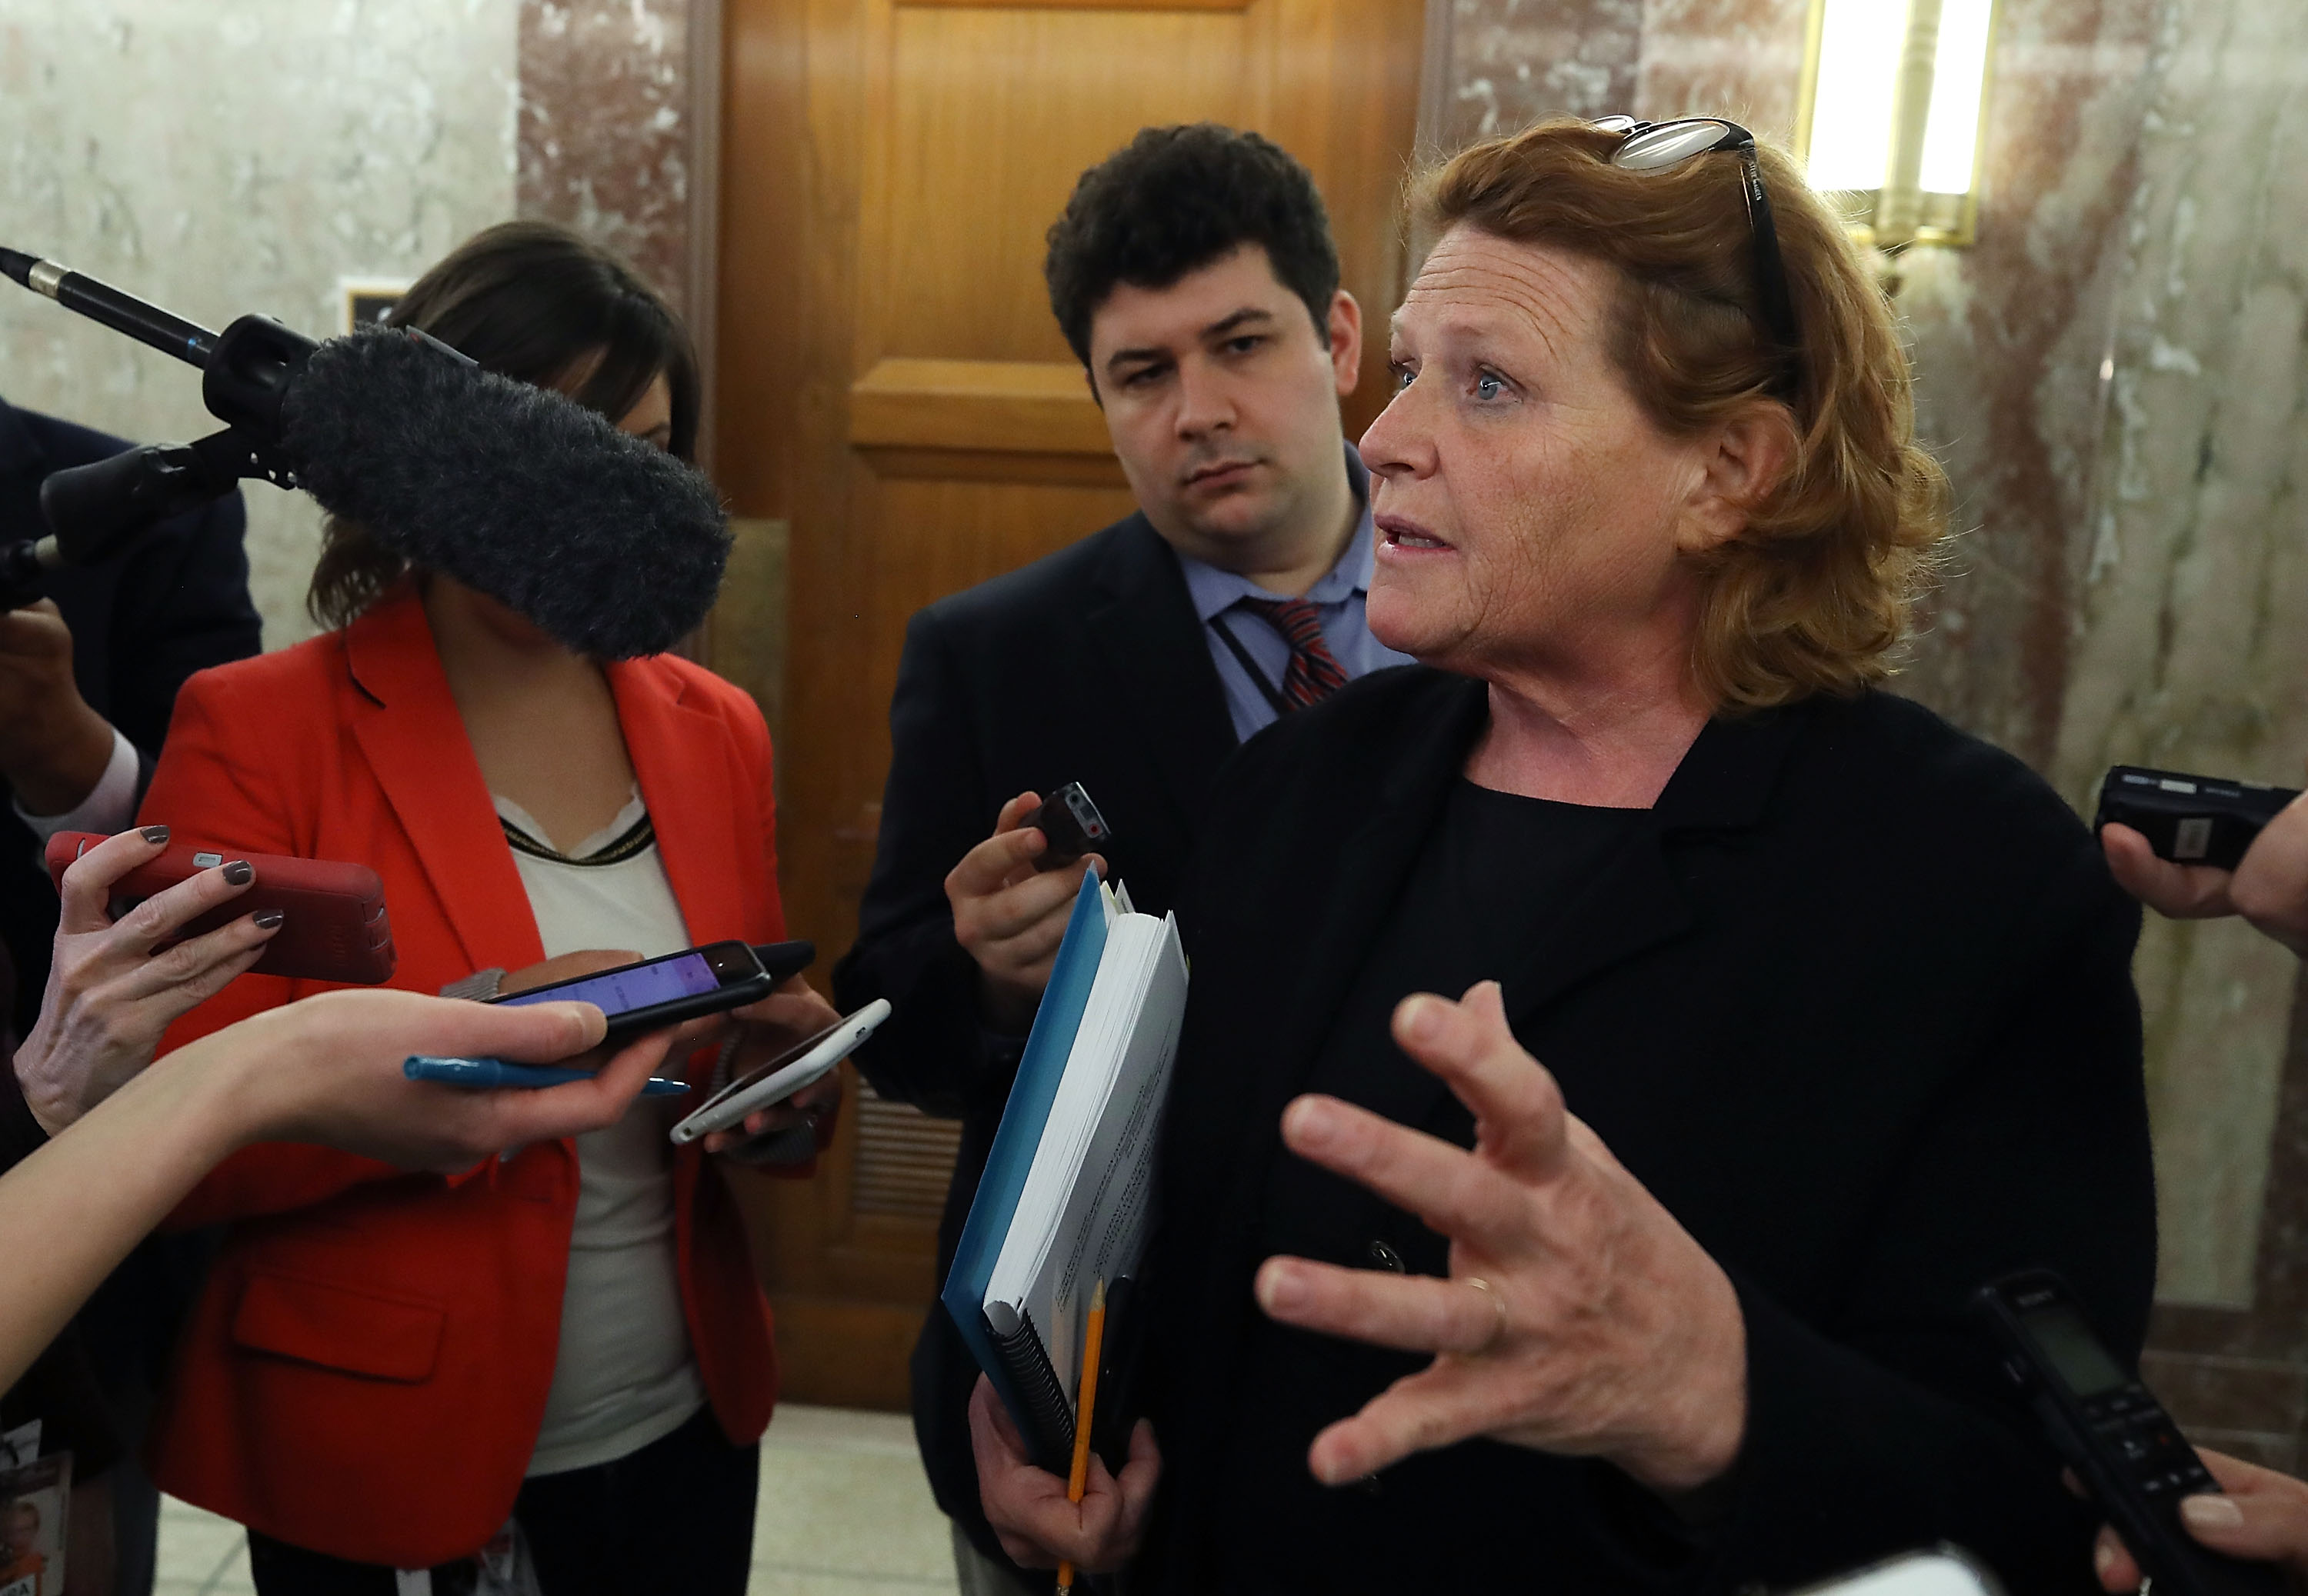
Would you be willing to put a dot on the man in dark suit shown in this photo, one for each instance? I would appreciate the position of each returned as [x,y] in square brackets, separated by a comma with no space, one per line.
[87,678]
[1194,277]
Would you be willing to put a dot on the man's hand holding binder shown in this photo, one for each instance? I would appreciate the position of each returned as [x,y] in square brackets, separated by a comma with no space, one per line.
[1060,1225]
[1011,917]
[1028,1506]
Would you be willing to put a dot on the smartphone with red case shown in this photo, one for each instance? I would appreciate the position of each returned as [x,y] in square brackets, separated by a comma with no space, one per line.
[333,925]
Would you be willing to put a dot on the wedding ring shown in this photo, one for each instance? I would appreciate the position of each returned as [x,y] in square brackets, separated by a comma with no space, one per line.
[1498,1333]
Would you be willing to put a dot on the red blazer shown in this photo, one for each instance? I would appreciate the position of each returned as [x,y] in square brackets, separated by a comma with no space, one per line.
[366,1367]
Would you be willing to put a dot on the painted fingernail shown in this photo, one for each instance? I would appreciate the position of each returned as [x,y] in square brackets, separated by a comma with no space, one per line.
[155,835]
[240,873]
[2211,1512]
[268,919]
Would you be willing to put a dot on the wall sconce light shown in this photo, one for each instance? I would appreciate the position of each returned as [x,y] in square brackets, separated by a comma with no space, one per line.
[1892,114]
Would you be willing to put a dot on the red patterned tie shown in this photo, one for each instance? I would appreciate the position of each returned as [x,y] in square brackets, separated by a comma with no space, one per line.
[1313,675]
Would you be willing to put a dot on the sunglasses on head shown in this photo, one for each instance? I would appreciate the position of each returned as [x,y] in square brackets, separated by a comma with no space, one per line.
[1654,146]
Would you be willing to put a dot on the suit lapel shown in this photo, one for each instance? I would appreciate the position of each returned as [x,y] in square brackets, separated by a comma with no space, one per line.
[676,750]
[1142,623]
[409,730]
[1337,904]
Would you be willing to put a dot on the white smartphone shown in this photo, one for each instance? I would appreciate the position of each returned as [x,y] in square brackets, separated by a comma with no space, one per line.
[1943,1572]
[783,1076]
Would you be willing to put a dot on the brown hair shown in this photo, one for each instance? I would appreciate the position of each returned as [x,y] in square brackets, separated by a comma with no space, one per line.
[534,302]
[1817,592]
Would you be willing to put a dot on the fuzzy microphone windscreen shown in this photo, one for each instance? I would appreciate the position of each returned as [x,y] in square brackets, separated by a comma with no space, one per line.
[609,545]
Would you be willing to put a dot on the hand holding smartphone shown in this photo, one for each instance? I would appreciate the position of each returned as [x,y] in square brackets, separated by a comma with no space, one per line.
[658,992]
[334,924]
[800,1064]
[648,995]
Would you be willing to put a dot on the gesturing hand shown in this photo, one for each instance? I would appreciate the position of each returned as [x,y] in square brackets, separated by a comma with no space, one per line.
[110,996]
[1580,1318]
[2269,885]
[1010,916]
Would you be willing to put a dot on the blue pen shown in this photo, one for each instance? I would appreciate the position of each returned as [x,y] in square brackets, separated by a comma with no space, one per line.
[483,1075]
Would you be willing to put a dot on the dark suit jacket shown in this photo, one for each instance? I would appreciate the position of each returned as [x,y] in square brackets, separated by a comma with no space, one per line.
[176,603]
[1855,1006]
[1088,665]
[61,1388]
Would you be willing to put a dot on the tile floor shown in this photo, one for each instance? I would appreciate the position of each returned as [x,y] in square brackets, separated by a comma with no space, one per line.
[844,1512]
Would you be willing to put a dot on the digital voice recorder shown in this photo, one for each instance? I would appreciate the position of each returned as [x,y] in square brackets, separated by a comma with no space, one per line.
[2117,1438]
[2190,819]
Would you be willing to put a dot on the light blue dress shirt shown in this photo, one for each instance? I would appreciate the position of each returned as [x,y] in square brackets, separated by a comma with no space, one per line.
[1340,597]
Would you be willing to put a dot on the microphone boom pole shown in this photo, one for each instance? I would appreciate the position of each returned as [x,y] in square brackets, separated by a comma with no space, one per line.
[611,546]
[101,301]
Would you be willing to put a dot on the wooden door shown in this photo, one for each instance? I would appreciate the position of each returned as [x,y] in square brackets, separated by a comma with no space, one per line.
[892,386]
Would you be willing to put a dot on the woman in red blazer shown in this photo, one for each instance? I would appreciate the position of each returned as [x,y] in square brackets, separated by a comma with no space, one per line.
[364,1381]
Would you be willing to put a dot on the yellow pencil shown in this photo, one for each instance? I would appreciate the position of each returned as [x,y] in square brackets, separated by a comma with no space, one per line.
[1078,1478]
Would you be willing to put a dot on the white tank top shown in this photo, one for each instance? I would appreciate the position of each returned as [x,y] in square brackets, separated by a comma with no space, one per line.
[624,1374]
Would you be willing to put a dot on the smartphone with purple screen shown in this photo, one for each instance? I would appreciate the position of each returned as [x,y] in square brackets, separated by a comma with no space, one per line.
[658,992]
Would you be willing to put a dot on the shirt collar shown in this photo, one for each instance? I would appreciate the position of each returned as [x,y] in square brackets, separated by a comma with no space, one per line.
[1215,591]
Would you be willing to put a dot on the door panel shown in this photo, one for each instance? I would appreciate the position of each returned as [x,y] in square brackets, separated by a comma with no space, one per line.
[893,386]
[1006,406]
[974,140]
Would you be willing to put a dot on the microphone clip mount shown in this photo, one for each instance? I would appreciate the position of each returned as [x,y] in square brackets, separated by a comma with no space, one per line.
[95,511]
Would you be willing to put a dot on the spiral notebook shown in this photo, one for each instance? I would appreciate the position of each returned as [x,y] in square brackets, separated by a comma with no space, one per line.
[1068,1195]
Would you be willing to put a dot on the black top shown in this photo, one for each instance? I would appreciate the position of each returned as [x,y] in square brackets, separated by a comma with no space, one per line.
[1852,1001]
[1496,877]
[1089,666]
[1494,881]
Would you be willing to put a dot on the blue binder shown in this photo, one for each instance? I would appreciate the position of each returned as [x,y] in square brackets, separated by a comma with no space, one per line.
[1048,1047]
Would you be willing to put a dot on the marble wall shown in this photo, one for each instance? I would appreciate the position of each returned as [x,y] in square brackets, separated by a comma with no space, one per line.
[2115,375]
[606,100]
[2186,643]
[222,158]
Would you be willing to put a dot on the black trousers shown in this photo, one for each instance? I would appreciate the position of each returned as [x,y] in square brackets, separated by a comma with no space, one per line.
[674,1517]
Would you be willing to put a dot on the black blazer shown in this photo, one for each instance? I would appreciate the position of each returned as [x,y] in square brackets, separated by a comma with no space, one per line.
[1855,1005]
[176,603]
[1089,666]
[61,1388]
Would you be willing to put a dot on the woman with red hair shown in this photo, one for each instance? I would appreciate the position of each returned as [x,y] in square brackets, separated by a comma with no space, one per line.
[1791,1013]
